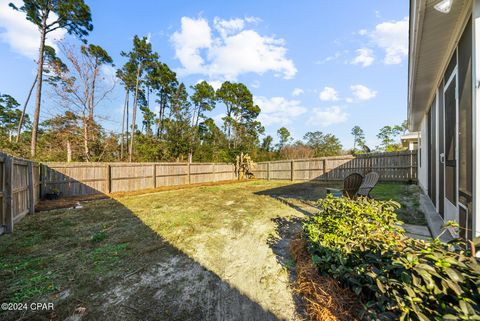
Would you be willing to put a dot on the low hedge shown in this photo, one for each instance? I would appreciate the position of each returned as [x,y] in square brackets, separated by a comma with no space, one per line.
[361,243]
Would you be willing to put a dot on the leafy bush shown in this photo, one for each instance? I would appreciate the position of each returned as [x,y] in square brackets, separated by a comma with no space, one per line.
[361,243]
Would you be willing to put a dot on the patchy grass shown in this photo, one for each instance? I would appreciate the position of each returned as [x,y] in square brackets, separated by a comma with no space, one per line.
[169,255]
[407,195]
[212,238]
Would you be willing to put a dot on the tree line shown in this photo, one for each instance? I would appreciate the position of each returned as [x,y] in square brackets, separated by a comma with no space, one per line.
[175,118]
[319,144]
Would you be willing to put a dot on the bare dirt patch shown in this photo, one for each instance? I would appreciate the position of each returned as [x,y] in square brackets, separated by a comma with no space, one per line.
[203,253]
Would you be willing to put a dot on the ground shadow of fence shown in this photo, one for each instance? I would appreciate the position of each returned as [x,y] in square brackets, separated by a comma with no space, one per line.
[171,286]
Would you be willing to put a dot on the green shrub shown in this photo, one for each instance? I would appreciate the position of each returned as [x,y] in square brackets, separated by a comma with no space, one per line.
[361,243]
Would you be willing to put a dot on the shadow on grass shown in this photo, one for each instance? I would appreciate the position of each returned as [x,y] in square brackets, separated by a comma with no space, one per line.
[101,262]
[300,197]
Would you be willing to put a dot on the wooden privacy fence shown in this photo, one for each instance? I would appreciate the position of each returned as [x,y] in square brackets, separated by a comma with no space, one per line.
[19,190]
[23,182]
[395,166]
[74,179]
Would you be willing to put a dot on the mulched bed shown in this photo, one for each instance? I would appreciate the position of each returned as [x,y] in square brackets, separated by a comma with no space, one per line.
[325,299]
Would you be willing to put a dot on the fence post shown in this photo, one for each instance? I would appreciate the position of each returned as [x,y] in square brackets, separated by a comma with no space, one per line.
[292,172]
[325,169]
[214,171]
[154,175]
[43,183]
[31,188]
[188,168]
[237,167]
[108,178]
[268,171]
[8,193]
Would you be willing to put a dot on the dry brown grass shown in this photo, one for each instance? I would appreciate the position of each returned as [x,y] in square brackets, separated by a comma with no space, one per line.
[325,299]
[71,201]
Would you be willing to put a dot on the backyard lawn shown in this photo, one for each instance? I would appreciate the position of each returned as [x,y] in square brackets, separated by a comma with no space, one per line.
[203,253]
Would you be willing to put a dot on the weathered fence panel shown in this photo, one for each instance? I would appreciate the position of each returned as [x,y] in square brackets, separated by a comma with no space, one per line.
[131,177]
[396,166]
[70,179]
[19,190]
[75,179]
[224,172]
[171,174]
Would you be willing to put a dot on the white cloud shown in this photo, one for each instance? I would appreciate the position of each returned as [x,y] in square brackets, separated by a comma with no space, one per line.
[195,35]
[328,94]
[364,57]
[234,51]
[333,57]
[392,36]
[363,32]
[253,20]
[228,27]
[278,110]
[216,84]
[327,116]
[22,35]
[362,92]
[298,92]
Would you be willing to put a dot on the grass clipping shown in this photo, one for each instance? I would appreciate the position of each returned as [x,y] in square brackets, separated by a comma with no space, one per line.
[325,299]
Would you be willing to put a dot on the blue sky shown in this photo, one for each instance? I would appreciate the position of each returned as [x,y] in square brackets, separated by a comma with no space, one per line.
[311,65]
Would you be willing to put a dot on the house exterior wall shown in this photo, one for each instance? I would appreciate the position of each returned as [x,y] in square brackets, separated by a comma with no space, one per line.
[423,156]
[449,162]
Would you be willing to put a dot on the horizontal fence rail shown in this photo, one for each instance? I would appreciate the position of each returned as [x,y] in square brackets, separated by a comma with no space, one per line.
[24,182]
[395,166]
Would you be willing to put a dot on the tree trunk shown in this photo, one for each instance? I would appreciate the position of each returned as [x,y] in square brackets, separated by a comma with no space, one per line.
[22,117]
[160,111]
[69,151]
[85,138]
[195,128]
[92,96]
[36,116]
[134,115]
[161,116]
[228,123]
[125,110]
[91,105]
